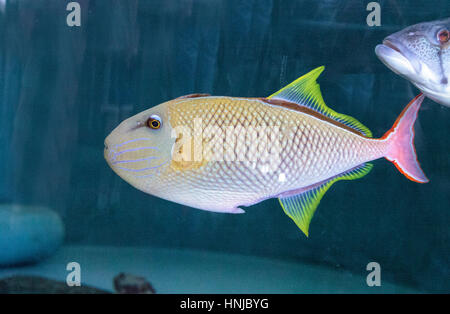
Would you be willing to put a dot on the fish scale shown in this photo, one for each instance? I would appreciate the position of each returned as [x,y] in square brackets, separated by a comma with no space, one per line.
[317,150]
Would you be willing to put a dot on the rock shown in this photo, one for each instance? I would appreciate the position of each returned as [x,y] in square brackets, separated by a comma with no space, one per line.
[28,234]
[123,284]
[34,284]
[130,284]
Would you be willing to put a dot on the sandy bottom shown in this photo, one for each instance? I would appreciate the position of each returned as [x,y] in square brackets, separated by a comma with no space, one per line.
[186,271]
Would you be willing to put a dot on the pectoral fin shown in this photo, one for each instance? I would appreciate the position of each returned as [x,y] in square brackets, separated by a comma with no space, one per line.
[301,207]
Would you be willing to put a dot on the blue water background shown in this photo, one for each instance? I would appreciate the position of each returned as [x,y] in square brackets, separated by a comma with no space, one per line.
[63,89]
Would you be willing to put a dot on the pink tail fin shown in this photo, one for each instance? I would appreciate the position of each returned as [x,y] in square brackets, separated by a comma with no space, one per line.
[400,139]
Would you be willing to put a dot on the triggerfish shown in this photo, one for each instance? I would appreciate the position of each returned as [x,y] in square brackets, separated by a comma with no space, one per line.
[221,153]
[421,54]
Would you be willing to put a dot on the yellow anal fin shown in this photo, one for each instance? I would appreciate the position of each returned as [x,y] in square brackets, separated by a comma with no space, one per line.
[301,207]
[305,91]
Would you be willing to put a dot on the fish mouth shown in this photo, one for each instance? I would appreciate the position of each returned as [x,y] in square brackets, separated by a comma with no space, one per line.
[108,154]
[391,45]
[398,58]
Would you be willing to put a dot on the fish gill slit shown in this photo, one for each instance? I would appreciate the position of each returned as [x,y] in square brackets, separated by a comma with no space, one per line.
[444,80]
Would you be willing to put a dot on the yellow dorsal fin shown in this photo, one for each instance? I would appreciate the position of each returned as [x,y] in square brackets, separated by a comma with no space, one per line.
[305,91]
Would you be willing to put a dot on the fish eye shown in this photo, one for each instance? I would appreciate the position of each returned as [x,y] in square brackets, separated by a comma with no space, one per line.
[443,36]
[154,122]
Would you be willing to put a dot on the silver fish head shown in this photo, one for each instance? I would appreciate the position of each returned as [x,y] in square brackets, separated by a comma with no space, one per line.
[421,54]
[140,147]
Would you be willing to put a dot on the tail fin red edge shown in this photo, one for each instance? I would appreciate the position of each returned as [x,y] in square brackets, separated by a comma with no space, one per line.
[401,151]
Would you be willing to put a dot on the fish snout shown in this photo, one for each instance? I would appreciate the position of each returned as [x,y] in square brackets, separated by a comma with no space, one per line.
[137,156]
[107,150]
[397,57]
